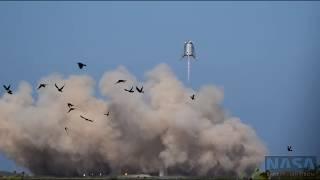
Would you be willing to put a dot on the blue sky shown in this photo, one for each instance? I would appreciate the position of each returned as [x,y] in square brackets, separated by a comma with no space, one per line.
[264,54]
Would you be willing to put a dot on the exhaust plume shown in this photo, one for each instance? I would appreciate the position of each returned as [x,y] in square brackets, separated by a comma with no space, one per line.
[160,130]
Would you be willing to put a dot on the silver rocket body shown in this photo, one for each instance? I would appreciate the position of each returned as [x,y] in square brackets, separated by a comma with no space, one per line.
[189,50]
[189,53]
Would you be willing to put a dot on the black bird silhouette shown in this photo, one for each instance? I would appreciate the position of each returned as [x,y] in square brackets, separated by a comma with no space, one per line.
[86,118]
[71,109]
[81,65]
[66,129]
[130,91]
[7,88]
[192,97]
[42,86]
[140,90]
[289,148]
[59,89]
[121,81]
[107,114]
[70,105]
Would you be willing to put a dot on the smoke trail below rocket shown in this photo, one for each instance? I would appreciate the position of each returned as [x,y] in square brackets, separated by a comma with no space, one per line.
[188,70]
[162,129]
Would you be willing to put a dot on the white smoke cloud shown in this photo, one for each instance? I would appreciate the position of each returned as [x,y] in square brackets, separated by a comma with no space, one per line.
[162,129]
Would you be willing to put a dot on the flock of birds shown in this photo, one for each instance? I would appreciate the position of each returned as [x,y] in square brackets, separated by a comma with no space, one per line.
[73,107]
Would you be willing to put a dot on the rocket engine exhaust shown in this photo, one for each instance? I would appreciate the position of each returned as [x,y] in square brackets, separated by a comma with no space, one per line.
[189,70]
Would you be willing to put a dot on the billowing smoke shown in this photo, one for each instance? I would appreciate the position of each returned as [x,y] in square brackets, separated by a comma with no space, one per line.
[159,130]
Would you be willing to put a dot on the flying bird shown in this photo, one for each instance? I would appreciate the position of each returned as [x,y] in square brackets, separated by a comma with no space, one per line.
[140,90]
[42,86]
[66,129]
[7,88]
[71,109]
[107,114]
[121,81]
[81,65]
[130,91]
[86,118]
[192,97]
[59,89]
[70,105]
[289,148]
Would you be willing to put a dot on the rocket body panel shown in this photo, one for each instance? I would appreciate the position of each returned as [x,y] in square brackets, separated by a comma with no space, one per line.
[189,50]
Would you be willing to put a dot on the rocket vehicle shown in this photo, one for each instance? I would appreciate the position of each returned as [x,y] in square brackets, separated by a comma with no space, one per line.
[189,50]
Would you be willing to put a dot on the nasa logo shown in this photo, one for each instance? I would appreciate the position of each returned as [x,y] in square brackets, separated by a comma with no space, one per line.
[290,163]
